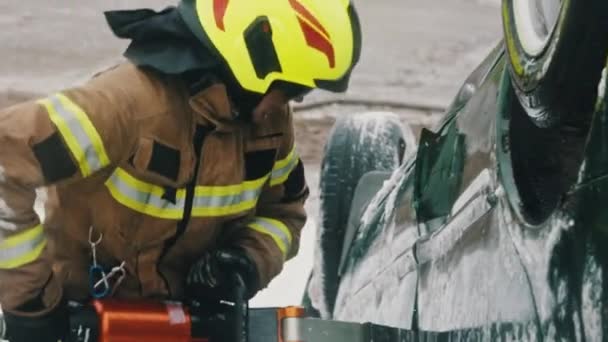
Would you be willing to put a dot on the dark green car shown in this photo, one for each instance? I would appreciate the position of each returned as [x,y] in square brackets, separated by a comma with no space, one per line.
[495,224]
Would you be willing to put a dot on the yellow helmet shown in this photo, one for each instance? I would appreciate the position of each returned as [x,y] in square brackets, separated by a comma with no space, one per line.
[311,43]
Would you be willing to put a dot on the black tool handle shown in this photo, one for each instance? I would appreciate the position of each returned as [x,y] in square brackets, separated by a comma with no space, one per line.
[240,309]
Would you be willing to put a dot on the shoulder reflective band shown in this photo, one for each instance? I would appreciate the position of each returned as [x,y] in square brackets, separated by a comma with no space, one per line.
[282,168]
[276,229]
[22,248]
[78,131]
[209,201]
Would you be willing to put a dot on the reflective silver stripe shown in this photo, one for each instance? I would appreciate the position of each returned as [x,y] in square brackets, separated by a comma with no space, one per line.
[284,171]
[215,201]
[226,200]
[145,202]
[145,197]
[208,201]
[22,248]
[282,168]
[79,133]
[276,229]
[15,252]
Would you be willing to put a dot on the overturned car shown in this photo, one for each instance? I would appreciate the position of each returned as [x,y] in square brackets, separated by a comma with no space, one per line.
[494,223]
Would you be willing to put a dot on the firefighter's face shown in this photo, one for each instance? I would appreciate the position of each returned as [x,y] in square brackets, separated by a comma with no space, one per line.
[273,103]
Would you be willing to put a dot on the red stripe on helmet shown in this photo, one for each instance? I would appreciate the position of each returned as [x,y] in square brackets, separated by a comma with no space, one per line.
[317,41]
[301,10]
[219,10]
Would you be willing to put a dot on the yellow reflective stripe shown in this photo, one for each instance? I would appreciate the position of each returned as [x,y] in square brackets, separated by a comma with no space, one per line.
[208,201]
[143,197]
[88,127]
[78,131]
[19,239]
[204,190]
[201,211]
[214,201]
[70,140]
[145,187]
[23,248]
[279,164]
[276,229]
[200,190]
[282,168]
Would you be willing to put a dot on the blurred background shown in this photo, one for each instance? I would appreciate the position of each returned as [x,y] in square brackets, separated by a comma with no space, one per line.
[416,53]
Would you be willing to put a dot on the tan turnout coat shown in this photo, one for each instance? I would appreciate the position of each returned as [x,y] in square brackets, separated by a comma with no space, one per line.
[120,154]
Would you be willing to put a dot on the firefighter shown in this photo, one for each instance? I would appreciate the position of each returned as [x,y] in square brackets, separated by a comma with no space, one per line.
[173,170]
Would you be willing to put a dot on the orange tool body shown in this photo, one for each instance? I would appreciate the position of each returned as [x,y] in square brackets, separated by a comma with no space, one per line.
[144,321]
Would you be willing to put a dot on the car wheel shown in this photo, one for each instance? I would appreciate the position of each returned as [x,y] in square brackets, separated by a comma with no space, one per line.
[357,145]
[557,49]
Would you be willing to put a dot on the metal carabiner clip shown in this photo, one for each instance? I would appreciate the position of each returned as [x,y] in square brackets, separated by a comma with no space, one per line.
[105,281]
[97,275]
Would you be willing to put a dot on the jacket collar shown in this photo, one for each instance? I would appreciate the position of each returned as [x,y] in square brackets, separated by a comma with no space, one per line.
[212,106]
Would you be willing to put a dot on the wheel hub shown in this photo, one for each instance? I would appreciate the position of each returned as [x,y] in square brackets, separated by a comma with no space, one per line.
[535,21]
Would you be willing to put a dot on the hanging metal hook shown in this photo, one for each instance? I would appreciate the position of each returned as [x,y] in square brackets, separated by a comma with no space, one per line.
[94,242]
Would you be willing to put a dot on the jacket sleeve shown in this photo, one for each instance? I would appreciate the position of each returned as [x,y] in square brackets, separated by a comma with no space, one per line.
[63,138]
[273,235]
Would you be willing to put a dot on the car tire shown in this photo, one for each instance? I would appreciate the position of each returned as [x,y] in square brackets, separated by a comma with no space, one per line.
[558,70]
[357,145]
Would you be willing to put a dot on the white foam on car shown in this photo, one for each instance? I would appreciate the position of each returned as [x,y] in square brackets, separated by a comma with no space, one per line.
[592,300]
[373,125]
[387,187]
[525,19]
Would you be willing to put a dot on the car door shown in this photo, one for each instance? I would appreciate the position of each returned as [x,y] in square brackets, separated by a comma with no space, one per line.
[470,273]
[379,277]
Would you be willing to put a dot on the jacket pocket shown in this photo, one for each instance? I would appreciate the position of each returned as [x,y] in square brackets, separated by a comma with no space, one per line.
[259,163]
[161,163]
